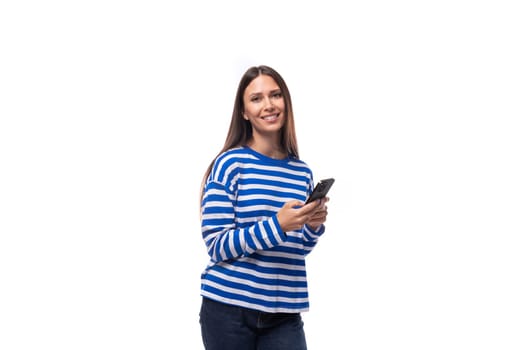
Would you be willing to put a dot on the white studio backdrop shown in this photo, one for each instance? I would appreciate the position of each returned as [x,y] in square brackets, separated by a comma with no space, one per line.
[111,111]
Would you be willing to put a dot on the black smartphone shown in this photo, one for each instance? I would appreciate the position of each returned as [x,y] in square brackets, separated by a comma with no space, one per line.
[320,190]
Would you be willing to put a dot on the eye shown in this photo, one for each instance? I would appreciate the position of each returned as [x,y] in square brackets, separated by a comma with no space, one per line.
[277,95]
[255,98]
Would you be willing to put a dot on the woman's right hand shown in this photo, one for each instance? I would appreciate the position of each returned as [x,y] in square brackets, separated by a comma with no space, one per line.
[294,214]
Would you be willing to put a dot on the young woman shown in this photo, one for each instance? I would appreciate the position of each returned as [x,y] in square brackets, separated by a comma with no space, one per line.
[255,225]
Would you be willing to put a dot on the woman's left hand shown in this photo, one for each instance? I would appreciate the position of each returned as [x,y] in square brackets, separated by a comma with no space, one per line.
[319,215]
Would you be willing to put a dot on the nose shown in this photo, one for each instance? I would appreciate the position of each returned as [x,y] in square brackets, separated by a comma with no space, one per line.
[268,104]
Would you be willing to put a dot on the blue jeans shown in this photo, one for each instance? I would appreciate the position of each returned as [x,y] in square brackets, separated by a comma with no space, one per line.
[227,327]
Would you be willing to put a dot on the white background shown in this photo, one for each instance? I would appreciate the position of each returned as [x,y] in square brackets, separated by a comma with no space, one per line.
[111,111]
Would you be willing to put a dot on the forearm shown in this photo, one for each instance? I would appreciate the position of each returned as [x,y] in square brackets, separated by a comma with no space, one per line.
[230,242]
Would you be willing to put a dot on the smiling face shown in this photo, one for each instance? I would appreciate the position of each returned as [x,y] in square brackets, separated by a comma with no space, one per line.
[264,106]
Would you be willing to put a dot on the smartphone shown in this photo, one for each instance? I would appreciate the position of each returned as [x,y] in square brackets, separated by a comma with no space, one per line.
[320,190]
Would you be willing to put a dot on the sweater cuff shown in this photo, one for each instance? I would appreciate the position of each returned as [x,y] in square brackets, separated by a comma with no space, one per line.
[281,235]
[311,235]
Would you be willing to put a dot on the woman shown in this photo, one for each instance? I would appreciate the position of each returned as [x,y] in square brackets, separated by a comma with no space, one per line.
[255,224]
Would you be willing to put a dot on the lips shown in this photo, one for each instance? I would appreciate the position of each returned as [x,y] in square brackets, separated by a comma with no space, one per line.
[270,118]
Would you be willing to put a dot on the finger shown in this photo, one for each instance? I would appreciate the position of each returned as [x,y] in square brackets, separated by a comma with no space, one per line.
[294,204]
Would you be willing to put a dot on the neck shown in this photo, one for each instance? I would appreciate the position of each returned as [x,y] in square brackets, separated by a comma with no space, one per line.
[269,149]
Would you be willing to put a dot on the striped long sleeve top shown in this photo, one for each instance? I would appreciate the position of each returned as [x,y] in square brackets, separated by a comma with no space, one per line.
[253,263]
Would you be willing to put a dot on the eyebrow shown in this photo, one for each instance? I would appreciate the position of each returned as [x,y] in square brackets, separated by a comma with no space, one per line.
[271,92]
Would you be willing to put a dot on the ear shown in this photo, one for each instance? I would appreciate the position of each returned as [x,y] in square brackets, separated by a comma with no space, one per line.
[244,116]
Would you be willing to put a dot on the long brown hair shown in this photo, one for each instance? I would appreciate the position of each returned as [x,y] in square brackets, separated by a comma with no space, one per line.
[240,131]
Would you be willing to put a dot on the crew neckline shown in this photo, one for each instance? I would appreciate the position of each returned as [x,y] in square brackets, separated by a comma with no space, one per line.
[265,157]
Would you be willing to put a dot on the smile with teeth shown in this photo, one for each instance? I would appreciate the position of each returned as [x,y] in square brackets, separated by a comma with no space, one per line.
[270,117]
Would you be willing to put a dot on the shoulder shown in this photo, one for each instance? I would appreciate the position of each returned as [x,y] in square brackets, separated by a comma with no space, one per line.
[237,153]
[233,156]
[300,165]
[228,162]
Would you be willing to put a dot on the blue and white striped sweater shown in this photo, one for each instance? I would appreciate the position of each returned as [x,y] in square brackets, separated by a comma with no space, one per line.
[253,263]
